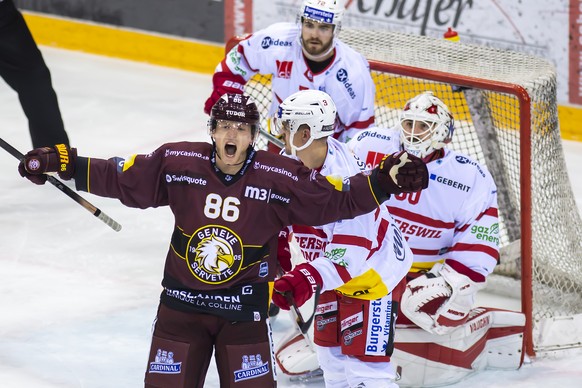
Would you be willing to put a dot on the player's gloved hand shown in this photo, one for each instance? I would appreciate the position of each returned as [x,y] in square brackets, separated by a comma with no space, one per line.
[402,173]
[283,250]
[60,159]
[36,179]
[223,82]
[299,284]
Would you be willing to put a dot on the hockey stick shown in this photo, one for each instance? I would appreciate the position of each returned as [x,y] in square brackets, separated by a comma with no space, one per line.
[301,322]
[66,190]
[271,138]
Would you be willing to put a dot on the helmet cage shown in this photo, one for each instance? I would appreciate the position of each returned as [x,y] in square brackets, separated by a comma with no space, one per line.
[438,125]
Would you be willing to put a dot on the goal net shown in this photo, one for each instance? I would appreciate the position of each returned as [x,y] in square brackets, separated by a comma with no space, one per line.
[504,105]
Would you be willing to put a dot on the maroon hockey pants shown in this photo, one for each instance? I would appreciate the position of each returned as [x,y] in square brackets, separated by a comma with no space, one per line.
[183,343]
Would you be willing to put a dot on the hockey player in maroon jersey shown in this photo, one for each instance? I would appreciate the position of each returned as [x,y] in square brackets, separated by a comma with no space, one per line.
[229,202]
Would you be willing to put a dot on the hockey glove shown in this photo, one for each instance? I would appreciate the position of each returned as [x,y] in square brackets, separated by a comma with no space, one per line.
[401,173]
[223,82]
[60,159]
[283,250]
[298,285]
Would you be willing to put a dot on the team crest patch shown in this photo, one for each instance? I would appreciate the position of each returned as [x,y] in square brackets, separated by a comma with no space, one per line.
[214,254]
[164,363]
[252,367]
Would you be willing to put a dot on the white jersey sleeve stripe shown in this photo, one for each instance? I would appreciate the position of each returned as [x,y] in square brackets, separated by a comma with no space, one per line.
[428,252]
[491,212]
[382,230]
[302,229]
[361,124]
[414,217]
[358,241]
[476,248]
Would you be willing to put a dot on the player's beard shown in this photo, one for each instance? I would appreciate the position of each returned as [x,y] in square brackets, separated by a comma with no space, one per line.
[317,52]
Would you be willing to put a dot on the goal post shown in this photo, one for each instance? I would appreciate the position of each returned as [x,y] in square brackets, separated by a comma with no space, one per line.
[505,110]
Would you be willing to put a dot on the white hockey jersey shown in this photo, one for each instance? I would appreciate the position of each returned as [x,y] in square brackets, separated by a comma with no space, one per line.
[277,50]
[454,218]
[367,253]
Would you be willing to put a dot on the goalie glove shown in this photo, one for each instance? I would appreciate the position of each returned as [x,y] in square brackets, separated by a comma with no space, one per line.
[441,300]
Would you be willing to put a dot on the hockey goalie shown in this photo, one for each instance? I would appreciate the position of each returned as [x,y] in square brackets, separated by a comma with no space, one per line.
[452,229]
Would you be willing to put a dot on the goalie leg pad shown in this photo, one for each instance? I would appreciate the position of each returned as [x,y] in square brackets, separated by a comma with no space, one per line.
[490,339]
[296,356]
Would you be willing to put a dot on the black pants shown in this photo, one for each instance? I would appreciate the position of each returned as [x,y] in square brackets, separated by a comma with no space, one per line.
[23,68]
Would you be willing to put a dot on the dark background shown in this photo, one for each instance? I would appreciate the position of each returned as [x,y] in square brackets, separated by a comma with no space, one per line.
[199,19]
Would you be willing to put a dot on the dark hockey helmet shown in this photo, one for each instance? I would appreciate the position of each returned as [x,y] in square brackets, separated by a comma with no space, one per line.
[235,107]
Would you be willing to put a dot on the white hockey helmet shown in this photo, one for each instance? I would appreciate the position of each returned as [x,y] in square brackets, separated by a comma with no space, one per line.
[323,11]
[313,108]
[439,124]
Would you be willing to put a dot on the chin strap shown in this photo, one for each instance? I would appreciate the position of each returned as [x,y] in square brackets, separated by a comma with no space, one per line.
[294,149]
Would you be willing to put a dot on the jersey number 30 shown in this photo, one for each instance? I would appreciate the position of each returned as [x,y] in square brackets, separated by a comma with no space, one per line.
[216,207]
[412,198]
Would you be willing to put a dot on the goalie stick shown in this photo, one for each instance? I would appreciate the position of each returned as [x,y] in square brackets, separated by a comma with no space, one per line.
[296,355]
[68,191]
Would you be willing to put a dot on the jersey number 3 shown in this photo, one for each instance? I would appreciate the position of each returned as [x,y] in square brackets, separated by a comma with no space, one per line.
[216,207]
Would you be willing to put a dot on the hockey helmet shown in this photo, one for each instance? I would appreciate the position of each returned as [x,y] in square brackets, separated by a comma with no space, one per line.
[323,11]
[430,113]
[313,108]
[235,107]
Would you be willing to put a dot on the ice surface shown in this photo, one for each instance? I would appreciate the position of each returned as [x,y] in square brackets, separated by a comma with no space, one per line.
[77,299]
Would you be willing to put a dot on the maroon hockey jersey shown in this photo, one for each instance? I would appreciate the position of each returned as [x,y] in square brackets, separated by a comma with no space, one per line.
[221,256]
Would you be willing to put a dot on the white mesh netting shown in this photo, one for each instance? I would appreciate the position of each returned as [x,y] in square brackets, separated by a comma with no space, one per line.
[488,128]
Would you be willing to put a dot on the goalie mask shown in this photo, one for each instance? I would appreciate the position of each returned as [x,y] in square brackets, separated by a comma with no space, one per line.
[426,125]
[313,108]
[235,107]
[321,11]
